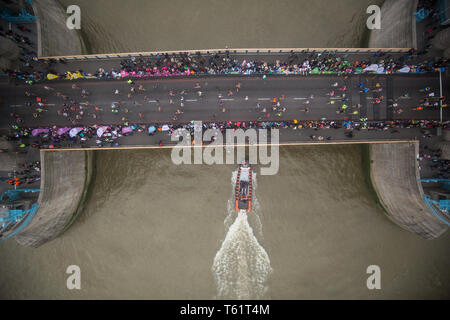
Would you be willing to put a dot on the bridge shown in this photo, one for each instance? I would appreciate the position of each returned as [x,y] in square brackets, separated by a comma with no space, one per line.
[297,90]
[305,99]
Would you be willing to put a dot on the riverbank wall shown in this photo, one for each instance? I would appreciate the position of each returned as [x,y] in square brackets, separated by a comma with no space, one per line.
[54,38]
[398,25]
[65,180]
[395,177]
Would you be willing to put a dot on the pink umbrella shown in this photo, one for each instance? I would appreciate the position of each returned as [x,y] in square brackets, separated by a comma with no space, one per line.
[101,130]
[127,129]
[36,132]
[61,131]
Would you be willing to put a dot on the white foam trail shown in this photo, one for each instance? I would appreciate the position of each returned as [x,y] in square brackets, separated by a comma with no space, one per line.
[241,266]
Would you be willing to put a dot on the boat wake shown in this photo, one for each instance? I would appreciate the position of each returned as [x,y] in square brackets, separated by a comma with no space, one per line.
[241,267]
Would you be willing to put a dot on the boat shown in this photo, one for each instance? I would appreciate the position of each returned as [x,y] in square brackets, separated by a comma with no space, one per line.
[244,188]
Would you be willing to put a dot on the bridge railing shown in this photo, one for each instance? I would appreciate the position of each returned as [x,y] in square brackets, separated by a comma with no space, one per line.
[22,17]
[265,51]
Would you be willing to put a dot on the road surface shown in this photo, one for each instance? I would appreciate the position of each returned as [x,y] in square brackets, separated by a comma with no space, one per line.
[294,93]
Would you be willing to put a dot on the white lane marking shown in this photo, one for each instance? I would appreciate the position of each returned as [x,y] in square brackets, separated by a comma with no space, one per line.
[16,105]
[264,99]
[300,98]
[52,104]
[192,100]
[154,101]
[227,99]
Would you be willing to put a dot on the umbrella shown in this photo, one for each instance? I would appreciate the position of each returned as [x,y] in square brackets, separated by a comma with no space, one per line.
[165,128]
[380,70]
[36,132]
[151,129]
[405,69]
[371,68]
[74,131]
[127,130]
[61,131]
[101,131]
[77,75]
[51,76]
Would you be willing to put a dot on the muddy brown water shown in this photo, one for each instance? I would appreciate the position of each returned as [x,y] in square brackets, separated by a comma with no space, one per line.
[154,230]
[140,25]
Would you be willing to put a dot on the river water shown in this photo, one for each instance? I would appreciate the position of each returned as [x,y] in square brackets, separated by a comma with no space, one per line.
[142,25]
[154,230]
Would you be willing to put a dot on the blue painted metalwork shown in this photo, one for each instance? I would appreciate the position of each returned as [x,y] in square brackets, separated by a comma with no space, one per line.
[14,195]
[22,17]
[422,14]
[443,206]
[15,216]
[31,212]
[445,182]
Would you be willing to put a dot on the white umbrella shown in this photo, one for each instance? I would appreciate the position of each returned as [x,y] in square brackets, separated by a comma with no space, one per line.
[74,131]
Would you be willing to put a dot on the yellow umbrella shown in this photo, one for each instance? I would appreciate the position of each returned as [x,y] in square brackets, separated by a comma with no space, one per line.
[52,76]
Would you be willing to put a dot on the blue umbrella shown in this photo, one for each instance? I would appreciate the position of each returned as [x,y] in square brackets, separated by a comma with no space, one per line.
[151,129]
